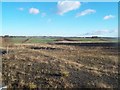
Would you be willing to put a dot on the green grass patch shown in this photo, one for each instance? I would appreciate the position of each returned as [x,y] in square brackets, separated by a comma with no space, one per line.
[18,40]
[32,40]
[41,40]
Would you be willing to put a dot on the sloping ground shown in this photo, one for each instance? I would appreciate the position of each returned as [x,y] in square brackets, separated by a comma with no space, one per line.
[54,66]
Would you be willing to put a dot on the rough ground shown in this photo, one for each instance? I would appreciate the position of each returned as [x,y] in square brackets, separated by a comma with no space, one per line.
[60,66]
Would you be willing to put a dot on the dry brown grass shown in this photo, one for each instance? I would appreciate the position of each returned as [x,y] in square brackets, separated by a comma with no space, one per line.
[60,66]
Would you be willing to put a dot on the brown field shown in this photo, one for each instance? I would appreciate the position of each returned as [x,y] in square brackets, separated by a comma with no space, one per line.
[60,66]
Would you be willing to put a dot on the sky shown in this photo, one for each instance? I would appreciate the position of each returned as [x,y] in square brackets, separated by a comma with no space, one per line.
[63,18]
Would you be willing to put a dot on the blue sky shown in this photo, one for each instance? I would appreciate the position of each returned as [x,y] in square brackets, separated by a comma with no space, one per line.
[60,18]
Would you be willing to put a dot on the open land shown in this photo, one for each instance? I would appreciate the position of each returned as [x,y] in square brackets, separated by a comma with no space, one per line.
[60,63]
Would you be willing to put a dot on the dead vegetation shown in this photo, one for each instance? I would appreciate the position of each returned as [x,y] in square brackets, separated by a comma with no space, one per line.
[60,66]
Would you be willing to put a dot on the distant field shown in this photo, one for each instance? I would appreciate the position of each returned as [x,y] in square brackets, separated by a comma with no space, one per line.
[53,39]
[18,40]
[32,40]
[41,40]
[95,39]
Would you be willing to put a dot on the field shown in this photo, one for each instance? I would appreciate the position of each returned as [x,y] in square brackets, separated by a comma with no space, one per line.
[60,63]
[53,39]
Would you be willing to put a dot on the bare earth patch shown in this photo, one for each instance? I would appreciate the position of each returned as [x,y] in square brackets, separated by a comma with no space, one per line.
[60,66]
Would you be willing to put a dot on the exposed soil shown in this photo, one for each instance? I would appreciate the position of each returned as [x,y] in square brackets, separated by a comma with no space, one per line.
[60,66]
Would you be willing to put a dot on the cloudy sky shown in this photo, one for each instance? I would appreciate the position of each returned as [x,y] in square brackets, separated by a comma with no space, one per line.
[63,18]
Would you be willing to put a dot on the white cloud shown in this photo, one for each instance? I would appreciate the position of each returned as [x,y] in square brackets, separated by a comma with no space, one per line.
[101,32]
[21,9]
[34,11]
[66,6]
[108,17]
[85,12]
[114,31]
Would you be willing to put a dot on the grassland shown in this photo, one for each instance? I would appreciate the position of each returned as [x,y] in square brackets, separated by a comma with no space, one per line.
[49,65]
[52,39]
